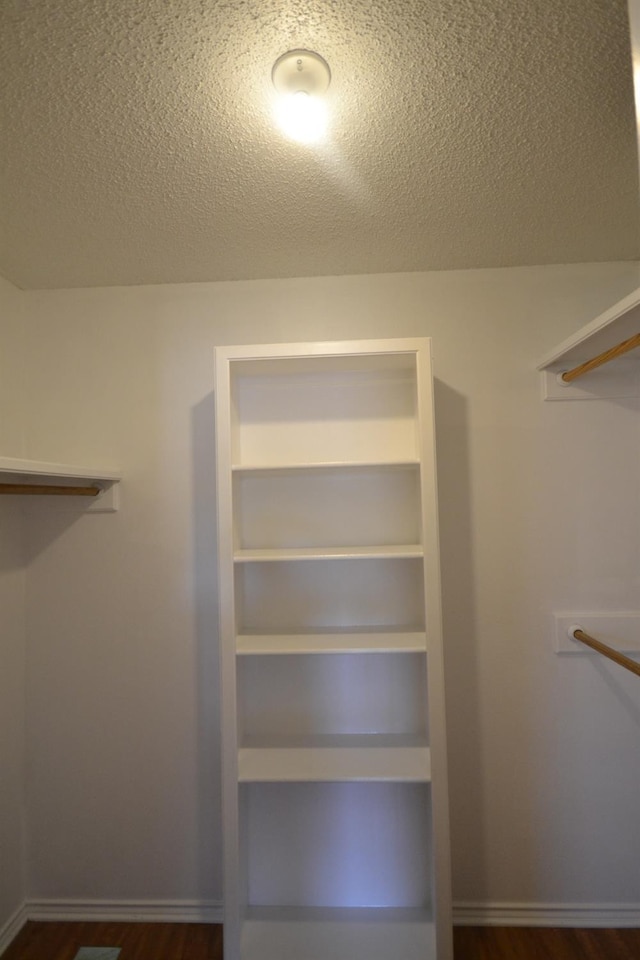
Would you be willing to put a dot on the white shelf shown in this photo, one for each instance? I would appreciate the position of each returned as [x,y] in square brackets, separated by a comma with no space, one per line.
[388,551]
[26,471]
[343,758]
[269,468]
[342,641]
[98,493]
[619,378]
[616,324]
[271,933]
[277,360]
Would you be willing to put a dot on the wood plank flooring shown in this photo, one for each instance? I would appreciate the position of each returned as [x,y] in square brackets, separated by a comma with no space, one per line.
[200,941]
[545,943]
[139,941]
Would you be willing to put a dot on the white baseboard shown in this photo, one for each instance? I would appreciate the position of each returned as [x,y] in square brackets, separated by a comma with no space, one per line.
[465,914]
[13,926]
[495,914]
[148,911]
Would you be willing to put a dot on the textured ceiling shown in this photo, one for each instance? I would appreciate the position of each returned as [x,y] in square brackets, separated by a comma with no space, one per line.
[138,145]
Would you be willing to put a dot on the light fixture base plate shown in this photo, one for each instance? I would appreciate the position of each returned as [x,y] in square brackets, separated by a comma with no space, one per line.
[301,71]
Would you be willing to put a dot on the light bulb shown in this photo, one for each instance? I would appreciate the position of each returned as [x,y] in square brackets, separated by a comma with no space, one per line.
[301,116]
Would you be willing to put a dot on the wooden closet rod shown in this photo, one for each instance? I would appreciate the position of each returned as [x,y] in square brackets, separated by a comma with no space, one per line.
[606,651]
[604,357]
[42,489]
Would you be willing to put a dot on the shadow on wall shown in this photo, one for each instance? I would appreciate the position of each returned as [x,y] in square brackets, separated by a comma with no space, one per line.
[209,830]
[47,519]
[460,644]
[11,536]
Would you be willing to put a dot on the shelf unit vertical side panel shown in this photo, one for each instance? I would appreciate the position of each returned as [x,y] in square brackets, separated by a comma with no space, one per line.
[233,906]
[441,860]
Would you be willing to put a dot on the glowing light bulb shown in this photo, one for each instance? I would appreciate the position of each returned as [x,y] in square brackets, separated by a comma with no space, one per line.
[302,117]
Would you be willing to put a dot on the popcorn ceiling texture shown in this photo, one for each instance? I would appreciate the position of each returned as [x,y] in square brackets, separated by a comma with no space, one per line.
[139,148]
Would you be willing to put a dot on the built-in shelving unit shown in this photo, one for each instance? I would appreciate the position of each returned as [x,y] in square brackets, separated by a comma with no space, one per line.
[334,761]
[618,378]
[41,478]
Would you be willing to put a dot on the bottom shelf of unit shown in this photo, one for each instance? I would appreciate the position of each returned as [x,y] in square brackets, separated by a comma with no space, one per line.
[378,933]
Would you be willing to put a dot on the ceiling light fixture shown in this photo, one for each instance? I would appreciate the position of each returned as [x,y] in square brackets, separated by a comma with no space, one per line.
[301,78]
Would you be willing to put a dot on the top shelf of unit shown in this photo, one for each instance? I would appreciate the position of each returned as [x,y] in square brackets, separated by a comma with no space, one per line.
[297,408]
[618,323]
[42,473]
[302,359]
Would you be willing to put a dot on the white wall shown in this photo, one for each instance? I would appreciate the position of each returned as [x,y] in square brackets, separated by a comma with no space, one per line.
[12,616]
[123,756]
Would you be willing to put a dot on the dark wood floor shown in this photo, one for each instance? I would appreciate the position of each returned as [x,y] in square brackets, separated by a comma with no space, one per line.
[199,941]
[545,943]
[139,941]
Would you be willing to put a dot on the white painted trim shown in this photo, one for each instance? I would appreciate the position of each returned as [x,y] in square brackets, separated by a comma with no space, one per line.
[465,913]
[500,914]
[108,501]
[50,471]
[147,911]
[620,629]
[604,383]
[10,930]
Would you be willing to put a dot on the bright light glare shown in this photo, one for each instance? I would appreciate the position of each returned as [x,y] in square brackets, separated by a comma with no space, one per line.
[302,117]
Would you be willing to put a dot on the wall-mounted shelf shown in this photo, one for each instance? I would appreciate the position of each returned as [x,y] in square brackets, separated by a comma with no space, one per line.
[616,379]
[40,478]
